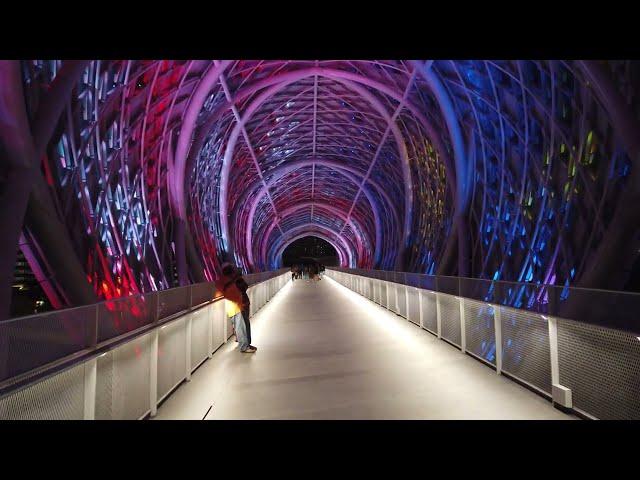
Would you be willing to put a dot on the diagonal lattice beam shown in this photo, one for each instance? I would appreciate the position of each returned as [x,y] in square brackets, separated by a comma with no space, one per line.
[247,140]
[380,145]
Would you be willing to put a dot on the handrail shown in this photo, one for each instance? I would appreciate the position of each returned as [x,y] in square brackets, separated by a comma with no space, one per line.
[605,308]
[589,367]
[37,346]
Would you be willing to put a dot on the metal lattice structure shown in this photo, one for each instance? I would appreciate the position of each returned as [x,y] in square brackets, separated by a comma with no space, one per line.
[510,170]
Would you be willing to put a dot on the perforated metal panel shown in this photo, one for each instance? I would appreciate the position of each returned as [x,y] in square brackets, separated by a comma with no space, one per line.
[391,297]
[199,336]
[480,330]
[218,318]
[369,289]
[121,315]
[401,295]
[171,356]
[413,314]
[601,366]
[258,297]
[450,318]
[429,312]
[57,398]
[173,301]
[122,384]
[383,293]
[525,347]
[33,341]
[229,323]
[263,294]
[252,301]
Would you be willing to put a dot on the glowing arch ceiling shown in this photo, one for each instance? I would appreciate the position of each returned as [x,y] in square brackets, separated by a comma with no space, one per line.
[481,168]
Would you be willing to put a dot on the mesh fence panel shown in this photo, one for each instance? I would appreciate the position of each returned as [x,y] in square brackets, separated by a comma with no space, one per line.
[30,342]
[217,313]
[60,397]
[525,347]
[601,366]
[171,356]
[229,325]
[199,336]
[429,312]
[369,289]
[413,314]
[122,315]
[480,330]
[173,301]
[203,292]
[122,387]
[401,295]
[449,318]
[383,293]
[391,297]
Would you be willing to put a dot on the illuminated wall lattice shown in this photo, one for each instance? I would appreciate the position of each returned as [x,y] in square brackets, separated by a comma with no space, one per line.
[397,164]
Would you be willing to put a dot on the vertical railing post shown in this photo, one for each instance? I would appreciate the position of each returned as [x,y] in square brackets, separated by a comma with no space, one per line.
[225,322]
[91,368]
[153,362]
[396,306]
[560,394]
[406,300]
[438,314]
[153,373]
[463,336]
[497,328]
[92,339]
[552,323]
[187,349]
[210,329]
[157,314]
[420,307]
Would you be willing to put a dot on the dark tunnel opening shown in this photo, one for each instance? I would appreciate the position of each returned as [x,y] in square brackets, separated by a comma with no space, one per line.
[310,248]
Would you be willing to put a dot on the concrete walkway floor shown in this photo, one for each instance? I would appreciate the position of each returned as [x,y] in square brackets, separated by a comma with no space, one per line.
[325,352]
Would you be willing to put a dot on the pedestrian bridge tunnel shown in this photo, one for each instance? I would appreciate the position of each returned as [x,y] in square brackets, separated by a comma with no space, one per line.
[125,181]
[149,174]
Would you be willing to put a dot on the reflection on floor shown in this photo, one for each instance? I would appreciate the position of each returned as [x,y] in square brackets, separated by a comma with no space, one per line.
[325,352]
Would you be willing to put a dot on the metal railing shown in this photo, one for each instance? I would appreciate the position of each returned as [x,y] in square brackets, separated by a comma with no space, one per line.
[119,358]
[578,347]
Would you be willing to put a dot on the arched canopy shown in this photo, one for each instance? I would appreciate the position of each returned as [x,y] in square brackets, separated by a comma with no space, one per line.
[486,168]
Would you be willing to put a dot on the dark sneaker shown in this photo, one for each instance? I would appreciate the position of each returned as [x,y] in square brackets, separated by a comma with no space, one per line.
[249,350]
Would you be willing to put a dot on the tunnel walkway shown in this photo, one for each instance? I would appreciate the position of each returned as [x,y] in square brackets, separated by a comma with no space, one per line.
[325,352]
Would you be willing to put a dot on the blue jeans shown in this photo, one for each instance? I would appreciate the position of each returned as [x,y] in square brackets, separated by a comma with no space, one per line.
[241,331]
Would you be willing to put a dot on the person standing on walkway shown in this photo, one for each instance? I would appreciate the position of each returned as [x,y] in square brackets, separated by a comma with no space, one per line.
[234,288]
